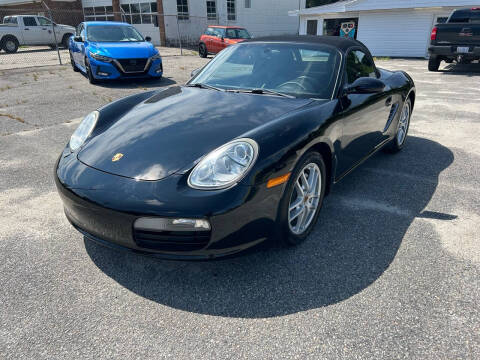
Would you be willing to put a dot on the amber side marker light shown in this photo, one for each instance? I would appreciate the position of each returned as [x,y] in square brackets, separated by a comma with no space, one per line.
[278,180]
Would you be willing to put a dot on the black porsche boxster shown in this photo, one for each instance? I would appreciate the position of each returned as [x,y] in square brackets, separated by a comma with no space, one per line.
[245,151]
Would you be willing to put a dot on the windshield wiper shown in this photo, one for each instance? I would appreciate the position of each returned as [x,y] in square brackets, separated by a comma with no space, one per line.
[204,86]
[261,91]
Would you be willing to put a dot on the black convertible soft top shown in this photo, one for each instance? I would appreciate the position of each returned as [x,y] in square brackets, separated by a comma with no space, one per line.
[338,42]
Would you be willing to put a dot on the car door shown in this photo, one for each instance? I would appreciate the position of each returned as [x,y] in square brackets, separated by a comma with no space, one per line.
[46,26]
[32,32]
[78,48]
[365,116]
[217,40]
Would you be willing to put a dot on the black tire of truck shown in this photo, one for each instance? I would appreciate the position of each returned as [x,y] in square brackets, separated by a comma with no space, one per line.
[433,63]
[10,44]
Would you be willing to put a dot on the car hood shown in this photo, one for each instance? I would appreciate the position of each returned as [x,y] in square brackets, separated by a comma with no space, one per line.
[66,27]
[176,127]
[123,50]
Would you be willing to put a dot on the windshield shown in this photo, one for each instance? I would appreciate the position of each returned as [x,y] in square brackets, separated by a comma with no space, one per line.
[300,70]
[113,33]
[237,34]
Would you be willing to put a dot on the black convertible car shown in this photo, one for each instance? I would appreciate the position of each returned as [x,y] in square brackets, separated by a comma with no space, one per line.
[246,150]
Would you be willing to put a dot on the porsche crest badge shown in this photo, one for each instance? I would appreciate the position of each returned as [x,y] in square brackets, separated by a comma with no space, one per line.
[117,157]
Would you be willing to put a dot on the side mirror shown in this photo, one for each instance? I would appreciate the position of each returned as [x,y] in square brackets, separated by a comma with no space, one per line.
[194,72]
[365,85]
[77,39]
[148,38]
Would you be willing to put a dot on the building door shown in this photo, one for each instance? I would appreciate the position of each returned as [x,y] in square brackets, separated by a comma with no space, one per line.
[312,27]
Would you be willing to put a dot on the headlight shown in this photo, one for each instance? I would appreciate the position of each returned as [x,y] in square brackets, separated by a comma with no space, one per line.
[156,57]
[83,130]
[100,57]
[224,166]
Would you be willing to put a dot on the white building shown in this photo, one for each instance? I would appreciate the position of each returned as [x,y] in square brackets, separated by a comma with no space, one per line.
[260,17]
[387,27]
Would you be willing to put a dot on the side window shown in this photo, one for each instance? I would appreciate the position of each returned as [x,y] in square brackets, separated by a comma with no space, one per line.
[209,32]
[44,21]
[359,65]
[29,21]
[218,32]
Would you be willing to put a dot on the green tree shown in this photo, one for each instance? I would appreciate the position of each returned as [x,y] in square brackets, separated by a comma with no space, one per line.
[312,3]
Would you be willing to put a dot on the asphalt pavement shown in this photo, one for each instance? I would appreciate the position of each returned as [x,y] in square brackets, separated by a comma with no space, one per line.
[392,269]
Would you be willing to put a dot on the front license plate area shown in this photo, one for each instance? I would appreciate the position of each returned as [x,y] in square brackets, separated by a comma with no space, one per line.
[463,49]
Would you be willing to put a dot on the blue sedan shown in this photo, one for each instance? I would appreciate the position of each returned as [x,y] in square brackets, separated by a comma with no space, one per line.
[113,50]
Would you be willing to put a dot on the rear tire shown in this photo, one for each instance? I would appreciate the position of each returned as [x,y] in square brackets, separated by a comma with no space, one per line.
[433,63]
[72,62]
[289,230]
[202,50]
[10,44]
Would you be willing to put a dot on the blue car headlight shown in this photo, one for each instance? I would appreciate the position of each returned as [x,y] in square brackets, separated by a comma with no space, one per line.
[155,57]
[100,57]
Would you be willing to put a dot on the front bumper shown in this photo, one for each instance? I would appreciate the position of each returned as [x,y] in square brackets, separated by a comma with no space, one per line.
[113,70]
[104,207]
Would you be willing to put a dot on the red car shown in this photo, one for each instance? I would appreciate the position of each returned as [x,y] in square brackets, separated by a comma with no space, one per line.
[216,38]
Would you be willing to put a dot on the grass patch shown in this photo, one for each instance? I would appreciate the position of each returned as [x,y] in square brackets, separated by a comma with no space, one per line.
[381,58]
[8,87]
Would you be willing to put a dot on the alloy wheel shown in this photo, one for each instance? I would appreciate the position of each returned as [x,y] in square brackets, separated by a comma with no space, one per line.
[10,45]
[305,198]
[403,124]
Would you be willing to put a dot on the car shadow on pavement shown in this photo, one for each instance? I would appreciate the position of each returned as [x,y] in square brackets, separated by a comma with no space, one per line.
[359,232]
[461,69]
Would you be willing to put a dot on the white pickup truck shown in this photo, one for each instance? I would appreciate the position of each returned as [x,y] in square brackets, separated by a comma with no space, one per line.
[19,30]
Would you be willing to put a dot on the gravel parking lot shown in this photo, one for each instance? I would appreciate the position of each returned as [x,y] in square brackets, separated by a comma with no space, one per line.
[392,269]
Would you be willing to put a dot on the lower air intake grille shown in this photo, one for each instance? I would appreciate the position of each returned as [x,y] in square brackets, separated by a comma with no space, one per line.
[172,240]
[133,65]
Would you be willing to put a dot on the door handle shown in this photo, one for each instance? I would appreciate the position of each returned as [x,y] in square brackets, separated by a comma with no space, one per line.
[27,29]
[388,102]
[44,28]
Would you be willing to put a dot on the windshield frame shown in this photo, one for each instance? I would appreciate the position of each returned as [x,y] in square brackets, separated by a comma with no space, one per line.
[112,25]
[231,48]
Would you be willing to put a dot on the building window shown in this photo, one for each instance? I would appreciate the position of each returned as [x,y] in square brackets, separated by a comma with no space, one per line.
[312,27]
[211,10]
[98,13]
[182,9]
[140,13]
[231,15]
[248,4]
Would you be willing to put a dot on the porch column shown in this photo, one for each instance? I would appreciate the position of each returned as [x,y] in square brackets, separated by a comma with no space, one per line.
[117,13]
[161,23]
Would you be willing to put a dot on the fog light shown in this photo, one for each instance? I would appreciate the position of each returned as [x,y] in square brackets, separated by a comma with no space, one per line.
[101,73]
[158,70]
[171,224]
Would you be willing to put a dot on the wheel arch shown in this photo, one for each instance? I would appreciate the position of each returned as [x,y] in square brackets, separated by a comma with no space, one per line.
[326,152]
[7,36]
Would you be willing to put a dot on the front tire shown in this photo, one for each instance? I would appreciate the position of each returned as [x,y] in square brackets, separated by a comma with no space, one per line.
[202,50]
[302,200]
[65,40]
[433,63]
[90,77]
[398,142]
